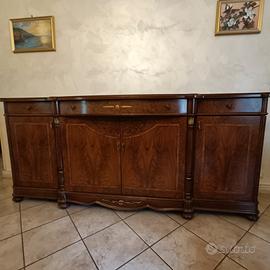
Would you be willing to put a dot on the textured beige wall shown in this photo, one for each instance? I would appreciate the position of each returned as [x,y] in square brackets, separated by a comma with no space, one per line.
[141,46]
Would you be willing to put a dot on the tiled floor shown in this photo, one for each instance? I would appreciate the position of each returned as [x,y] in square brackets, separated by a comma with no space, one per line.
[37,235]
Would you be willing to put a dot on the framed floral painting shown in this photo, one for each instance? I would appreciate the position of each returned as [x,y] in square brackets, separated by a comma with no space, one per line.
[35,34]
[239,16]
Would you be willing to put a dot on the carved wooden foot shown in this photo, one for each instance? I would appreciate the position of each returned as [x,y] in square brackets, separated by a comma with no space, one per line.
[62,204]
[253,217]
[62,200]
[187,215]
[17,198]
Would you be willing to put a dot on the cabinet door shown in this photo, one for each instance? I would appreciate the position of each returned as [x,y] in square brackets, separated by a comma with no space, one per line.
[153,157]
[33,151]
[91,155]
[226,157]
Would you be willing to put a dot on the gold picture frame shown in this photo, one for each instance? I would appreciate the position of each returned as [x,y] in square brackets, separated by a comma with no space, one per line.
[239,17]
[34,34]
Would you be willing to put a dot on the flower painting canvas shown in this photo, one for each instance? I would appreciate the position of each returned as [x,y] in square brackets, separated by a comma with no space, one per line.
[32,34]
[239,16]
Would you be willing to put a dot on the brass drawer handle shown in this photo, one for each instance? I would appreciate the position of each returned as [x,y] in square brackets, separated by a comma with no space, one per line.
[117,107]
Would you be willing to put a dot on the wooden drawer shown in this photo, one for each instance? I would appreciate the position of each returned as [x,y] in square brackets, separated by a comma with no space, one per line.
[238,105]
[127,107]
[37,107]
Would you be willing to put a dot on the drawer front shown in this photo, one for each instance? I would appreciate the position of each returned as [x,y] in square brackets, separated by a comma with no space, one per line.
[124,107]
[240,105]
[38,107]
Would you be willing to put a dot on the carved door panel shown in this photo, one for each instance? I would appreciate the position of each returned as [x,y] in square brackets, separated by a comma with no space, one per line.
[153,157]
[226,157]
[91,155]
[33,152]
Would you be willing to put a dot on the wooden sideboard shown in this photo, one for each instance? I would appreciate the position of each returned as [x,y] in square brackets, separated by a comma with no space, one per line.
[166,152]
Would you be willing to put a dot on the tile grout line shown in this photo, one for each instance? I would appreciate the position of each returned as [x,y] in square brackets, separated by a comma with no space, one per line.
[79,211]
[31,207]
[115,211]
[224,219]
[82,240]
[236,263]
[227,254]
[123,219]
[150,246]
[43,224]
[205,241]
[20,213]
[119,267]
[4,239]
[90,235]
[267,241]
[208,243]
[161,258]
[56,250]
[53,220]
[247,231]
[69,245]
[186,220]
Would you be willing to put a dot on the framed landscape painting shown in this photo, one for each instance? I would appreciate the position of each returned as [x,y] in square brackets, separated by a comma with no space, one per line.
[239,17]
[35,34]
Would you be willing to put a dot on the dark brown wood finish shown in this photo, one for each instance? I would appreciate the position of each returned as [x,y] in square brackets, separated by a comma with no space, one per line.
[91,152]
[123,107]
[226,154]
[38,107]
[33,151]
[153,156]
[165,152]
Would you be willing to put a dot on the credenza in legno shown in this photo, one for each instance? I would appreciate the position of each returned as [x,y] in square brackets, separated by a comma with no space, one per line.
[166,152]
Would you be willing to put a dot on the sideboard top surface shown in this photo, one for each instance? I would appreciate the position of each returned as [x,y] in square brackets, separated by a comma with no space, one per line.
[141,97]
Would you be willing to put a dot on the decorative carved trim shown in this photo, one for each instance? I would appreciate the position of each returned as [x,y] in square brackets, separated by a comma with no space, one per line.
[122,203]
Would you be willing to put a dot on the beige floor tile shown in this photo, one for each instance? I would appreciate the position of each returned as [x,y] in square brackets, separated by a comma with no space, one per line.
[228,264]
[151,226]
[114,246]
[74,257]
[262,227]
[125,214]
[5,192]
[45,240]
[73,208]
[8,207]
[10,225]
[5,182]
[28,203]
[177,217]
[240,221]
[215,230]
[183,250]
[264,201]
[255,255]
[148,260]
[94,219]
[11,255]
[39,215]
